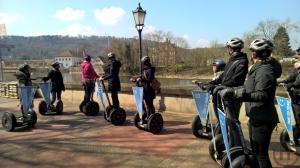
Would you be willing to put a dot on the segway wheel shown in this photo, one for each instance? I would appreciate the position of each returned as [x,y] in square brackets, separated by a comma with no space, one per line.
[92,108]
[107,113]
[43,107]
[234,153]
[242,162]
[284,139]
[32,118]
[59,108]
[155,123]
[117,116]
[220,147]
[81,106]
[9,121]
[197,127]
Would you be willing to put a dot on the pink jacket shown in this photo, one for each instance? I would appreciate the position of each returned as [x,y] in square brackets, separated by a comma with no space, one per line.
[87,71]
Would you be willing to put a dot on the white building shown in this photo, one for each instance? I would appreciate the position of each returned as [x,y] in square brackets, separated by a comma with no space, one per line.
[70,58]
[2,30]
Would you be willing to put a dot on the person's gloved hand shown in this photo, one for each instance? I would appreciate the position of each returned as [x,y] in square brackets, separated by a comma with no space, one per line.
[227,93]
[218,88]
[239,93]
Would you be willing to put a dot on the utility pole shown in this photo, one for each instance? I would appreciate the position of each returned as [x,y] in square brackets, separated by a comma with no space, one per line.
[8,47]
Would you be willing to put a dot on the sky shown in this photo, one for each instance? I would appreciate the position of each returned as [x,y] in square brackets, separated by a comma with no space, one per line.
[198,21]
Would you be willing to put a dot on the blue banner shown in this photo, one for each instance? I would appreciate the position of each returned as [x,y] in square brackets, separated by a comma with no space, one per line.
[138,97]
[222,119]
[100,94]
[27,95]
[202,101]
[286,111]
[46,90]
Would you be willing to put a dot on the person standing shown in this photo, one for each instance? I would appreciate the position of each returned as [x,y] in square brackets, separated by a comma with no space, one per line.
[258,93]
[112,76]
[88,77]
[146,79]
[57,82]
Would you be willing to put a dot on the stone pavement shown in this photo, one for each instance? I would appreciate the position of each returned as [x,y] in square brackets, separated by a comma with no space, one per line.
[75,140]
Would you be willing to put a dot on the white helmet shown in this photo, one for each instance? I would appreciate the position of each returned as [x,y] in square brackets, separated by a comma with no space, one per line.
[235,43]
[261,45]
[111,54]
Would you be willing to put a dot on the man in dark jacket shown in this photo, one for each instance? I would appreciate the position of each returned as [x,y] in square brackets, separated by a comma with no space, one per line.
[259,94]
[293,86]
[234,75]
[23,75]
[57,82]
[112,76]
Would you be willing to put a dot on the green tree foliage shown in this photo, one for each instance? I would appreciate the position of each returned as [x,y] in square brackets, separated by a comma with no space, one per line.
[282,43]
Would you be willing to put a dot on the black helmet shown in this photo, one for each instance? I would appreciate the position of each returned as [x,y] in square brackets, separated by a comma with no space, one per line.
[235,43]
[25,67]
[87,58]
[145,59]
[55,64]
[298,50]
[219,63]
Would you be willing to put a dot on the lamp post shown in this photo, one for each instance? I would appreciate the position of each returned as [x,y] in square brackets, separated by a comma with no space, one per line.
[139,18]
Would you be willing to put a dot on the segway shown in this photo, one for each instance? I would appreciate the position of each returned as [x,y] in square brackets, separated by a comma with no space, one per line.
[202,126]
[45,106]
[217,146]
[91,108]
[290,135]
[239,156]
[28,118]
[142,120]
[117,116]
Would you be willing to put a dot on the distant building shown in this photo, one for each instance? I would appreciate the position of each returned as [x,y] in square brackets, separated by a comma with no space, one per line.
[165,53]
[70,58]
[2,30]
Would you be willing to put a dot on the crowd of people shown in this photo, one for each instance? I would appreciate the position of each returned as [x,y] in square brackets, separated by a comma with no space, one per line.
[234,83]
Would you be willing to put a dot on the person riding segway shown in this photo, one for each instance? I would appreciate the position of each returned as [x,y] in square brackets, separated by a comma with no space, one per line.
[113,112]
[234,75]
[149,120]
[88,76]
[204,130]
[292,84]
[258,94]
[57,86]
[26,91]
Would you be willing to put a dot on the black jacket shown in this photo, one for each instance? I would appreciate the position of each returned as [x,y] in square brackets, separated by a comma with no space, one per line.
[293,85]
[147,76]
[112,75]
[235,71]
[56,79]
[24,78]
[260,91]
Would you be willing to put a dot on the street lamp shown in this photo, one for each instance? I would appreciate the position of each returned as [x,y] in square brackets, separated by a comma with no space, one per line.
[139,18]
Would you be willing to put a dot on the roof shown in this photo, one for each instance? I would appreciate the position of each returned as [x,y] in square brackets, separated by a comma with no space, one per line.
[70,53]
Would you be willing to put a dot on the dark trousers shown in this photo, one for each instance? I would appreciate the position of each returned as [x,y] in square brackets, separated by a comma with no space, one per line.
[296,110]
[149,105]
[55,95]
[88,92]
[260,137]
[217,104]
[232,111]
[115,99]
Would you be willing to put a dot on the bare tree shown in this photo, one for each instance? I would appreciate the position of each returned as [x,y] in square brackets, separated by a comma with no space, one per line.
[267,28]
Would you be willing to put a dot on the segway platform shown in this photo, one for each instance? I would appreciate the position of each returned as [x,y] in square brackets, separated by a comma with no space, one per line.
[45,106]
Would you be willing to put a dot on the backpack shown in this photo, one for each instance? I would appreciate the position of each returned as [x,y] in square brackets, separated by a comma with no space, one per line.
[155,85]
